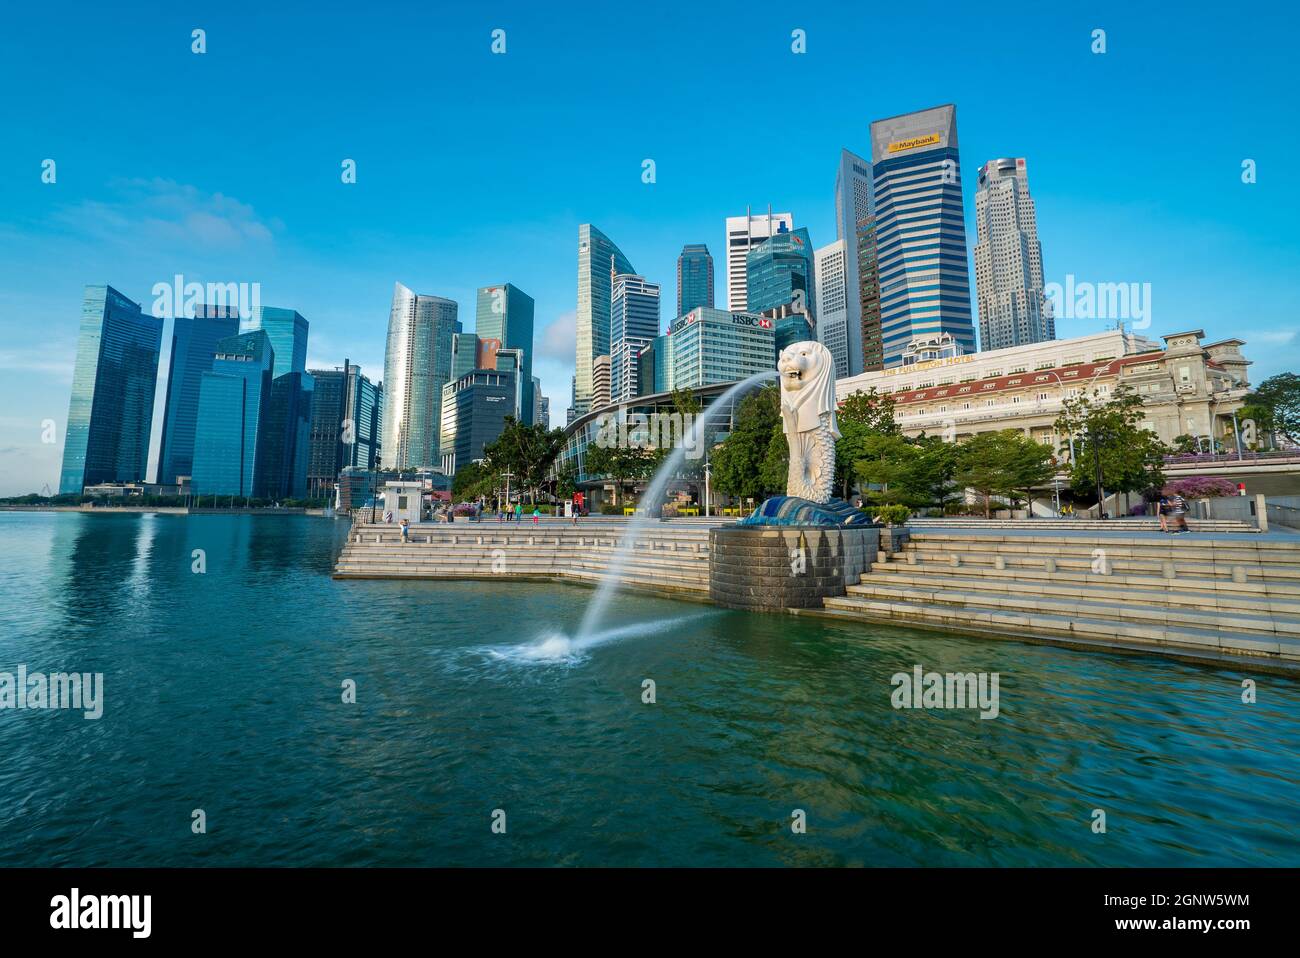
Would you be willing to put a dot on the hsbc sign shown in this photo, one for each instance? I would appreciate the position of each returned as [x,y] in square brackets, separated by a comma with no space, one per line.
[746,319]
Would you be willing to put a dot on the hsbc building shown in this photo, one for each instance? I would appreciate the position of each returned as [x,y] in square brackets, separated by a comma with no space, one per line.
[708,346]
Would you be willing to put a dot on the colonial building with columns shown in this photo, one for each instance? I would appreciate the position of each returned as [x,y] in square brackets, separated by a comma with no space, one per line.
[1187,388]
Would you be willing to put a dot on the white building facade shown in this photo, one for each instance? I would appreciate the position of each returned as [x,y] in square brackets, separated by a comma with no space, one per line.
[831,265]
[1186,388]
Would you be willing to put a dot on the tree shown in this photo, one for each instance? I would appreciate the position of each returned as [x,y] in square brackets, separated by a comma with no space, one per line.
[749,463]
[1276,401]
[526,452]
[985,463]
[861,415]
[931,476]
[472,480]
[619,464]
[1113,447]
[887,463]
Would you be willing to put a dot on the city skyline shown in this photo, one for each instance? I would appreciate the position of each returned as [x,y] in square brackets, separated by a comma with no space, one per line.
[122,214]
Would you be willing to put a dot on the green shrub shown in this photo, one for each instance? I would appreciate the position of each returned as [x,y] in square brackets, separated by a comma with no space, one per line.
[894,515]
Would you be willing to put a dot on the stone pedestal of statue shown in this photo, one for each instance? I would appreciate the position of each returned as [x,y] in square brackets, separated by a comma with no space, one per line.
[787,567]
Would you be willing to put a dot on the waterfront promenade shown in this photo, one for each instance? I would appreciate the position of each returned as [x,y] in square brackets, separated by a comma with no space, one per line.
[1222,594]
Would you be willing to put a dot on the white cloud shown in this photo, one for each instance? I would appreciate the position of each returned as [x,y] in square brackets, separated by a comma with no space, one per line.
[167,212]
[557,339]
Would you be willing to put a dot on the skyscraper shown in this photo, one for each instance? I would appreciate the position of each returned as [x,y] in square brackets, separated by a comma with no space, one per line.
[234,398]
[920,230]
[417,364]
[474,411]
[694,278]
[1009,259]
[287,330]
[110,413]
[194,343]
[465,352]
[833,297]
[634,323]
[780,271]
[284,440]
[599,261]
[346,415]
[600,384]
[743,234]
[868,295]
[708,346]
[853,205]
[505,313]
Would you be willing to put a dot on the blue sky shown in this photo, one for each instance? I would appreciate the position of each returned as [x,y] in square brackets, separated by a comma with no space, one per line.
[475,168]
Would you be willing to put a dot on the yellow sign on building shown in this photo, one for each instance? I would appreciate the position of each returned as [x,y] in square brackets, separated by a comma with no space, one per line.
[930,139]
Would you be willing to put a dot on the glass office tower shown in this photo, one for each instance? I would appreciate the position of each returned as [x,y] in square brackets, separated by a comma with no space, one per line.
[694,278]
[505,313]
[465,351]
[285,439]
[417,364]
[194,343]
[233,403]
[110,413]
[779,271]
[287,330]
[346,414]
[599,261]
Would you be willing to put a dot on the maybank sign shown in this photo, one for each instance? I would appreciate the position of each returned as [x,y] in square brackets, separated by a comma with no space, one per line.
[914,142]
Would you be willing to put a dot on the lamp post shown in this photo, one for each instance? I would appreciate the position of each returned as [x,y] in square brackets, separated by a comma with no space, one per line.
[706,485]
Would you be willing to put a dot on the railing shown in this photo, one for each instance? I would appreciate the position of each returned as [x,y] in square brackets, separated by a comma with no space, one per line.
[1202,458]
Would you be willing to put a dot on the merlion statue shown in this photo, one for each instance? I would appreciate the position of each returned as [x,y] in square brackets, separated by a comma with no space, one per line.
[807,374]
[808,419]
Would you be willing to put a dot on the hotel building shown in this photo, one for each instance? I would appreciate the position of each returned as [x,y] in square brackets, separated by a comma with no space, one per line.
[1186,388]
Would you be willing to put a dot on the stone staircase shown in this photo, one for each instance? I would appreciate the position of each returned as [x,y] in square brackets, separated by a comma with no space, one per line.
[1219,598]
[667,556]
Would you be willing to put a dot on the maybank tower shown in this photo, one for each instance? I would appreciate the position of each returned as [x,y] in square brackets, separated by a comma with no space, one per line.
[920,231]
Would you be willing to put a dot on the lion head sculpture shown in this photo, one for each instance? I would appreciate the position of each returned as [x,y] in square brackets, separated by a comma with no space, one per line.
[807,387]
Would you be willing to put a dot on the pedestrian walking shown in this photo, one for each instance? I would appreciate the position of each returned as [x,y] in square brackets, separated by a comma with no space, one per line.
[1162,510]
[1178,512]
